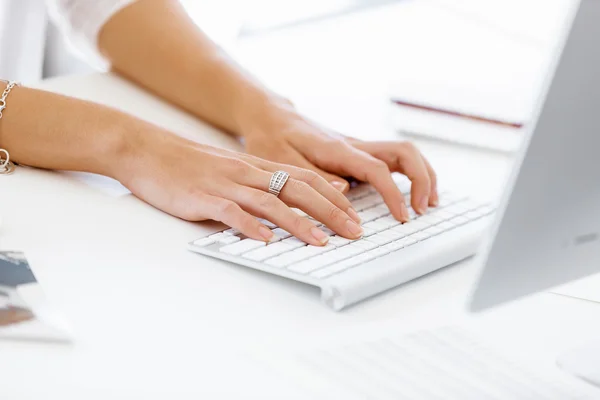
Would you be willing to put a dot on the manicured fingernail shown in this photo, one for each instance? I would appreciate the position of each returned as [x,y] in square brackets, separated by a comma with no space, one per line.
[353,214]
[354,228]
[319,235]
[424,204]
[341,186]
[266,233]
[435,202]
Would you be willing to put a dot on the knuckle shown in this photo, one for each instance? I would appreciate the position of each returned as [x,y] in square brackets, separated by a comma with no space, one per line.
[334,213]
[308,176]
[380,166]
[238,167]
[226,209]
[410,146]
[267,200]
[298,224]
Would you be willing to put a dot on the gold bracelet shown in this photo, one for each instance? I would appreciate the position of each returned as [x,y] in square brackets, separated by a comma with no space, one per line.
[6,166]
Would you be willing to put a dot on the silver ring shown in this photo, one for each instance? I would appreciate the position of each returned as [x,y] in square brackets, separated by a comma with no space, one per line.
[278,180]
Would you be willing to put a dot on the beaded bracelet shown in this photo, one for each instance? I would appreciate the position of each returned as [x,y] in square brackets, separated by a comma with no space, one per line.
[6,166]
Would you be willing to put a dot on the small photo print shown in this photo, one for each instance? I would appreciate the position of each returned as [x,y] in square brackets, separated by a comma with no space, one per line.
[14,273]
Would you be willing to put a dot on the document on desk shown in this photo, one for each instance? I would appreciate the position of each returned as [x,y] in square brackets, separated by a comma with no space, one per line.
[461,114]
[24,310]
[451,363]
[587,289]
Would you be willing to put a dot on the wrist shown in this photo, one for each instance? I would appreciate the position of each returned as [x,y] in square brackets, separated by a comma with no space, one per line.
[263,114]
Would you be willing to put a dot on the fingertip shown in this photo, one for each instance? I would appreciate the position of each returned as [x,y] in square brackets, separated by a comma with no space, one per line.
[341,186]
[265,233]
[321,237]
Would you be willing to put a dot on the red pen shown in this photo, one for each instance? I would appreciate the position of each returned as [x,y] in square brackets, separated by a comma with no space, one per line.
[400,102]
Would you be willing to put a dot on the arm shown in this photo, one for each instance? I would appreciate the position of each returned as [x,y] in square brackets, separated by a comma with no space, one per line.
[181,177]
[154,43]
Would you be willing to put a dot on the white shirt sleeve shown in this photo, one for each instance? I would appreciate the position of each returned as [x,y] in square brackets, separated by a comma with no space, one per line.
[82,20]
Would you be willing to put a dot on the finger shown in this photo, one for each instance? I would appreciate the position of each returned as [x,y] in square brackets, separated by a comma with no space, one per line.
[299,194]
[340,184]
[231,214]
[293,157]
[410,162]
[434,197]
[318,183]
[367,168]
[267,206]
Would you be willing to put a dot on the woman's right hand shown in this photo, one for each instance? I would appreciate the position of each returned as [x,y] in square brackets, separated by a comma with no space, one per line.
[197,182]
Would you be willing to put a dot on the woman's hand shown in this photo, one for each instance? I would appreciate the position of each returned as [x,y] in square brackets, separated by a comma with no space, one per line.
[286,137]
[197,182]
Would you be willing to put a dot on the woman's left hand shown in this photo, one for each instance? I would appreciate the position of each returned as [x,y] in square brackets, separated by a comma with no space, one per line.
[291,139]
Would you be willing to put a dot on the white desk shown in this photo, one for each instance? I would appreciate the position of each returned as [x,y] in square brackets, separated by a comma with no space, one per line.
[153,321]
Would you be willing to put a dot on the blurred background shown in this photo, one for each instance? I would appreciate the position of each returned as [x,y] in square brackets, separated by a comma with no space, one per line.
[229,21]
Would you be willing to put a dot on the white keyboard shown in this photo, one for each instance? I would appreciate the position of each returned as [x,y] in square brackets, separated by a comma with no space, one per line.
[389,253]
[449,363]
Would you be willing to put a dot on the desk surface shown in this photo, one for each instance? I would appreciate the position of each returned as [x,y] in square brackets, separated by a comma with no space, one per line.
[151,319]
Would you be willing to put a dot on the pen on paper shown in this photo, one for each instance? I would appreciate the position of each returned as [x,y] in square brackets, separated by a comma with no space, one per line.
[400,102]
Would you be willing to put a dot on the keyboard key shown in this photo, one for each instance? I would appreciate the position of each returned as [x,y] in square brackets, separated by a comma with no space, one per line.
[345,252]
[298,255]
[375,226]
[430,219]
[377,252]
[242,246]
[217,236]
[420,236]
[443,214]
[380,239]
[387,221]
[281,233]
[341,266]
[364,244]
[448,199]
[328,231]
[446,226]
[338,241]
[204,242]
[228,239]
[368,201]
[294,242]
[368,232]
[335,268]
[459,220]
[366,216]
[268,251]
[380,211]
[232,232]
[268,224]
[393,234]
[312,264]
[359,191]
[432,231]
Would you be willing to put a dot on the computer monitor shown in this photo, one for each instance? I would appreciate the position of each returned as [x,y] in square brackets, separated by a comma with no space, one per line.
[548,227]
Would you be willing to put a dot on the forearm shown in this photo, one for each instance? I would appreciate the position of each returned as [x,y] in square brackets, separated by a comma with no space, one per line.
[154,43]
[52,131]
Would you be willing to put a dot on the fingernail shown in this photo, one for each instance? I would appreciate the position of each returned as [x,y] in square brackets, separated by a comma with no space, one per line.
[424,205]
[354,228]
[435,202]
[405,215]
[319,235]
[353,214]
[341,186]
[266,233]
